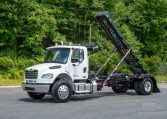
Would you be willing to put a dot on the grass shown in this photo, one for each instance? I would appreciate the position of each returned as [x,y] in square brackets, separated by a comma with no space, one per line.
[7,82]
[161,79]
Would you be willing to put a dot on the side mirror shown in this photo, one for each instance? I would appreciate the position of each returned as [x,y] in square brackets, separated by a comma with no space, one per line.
[75,60]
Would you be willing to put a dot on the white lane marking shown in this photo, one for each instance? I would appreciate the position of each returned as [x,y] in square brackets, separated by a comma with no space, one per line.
[162,85]
[10,86]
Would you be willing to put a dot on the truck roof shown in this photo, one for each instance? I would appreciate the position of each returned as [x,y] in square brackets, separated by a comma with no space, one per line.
[66,46]
[90,47]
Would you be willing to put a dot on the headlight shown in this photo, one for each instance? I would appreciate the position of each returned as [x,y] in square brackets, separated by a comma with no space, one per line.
[48,76]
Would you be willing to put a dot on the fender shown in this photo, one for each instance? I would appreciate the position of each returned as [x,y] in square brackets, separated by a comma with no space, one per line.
[65,77]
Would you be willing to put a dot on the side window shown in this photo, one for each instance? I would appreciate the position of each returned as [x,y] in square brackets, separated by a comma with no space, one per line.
[81,55]
[77,55]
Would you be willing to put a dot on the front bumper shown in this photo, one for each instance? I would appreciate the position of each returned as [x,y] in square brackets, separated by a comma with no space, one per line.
[40,88]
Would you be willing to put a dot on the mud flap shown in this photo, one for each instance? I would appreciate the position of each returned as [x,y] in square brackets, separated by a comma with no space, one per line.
[155,87]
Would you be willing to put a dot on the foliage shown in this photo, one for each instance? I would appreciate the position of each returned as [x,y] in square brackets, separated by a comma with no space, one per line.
[152,63]
[162,70]
[148,20]
[12,68]
[27,27]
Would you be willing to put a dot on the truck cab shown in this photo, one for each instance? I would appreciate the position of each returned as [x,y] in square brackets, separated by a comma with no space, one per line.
[68,65]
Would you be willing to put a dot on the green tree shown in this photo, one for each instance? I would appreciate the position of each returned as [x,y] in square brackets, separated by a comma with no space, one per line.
[27,27]
[148,20]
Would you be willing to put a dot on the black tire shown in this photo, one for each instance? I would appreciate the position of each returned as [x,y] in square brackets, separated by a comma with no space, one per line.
[61,91]
[146,86]
[136,87]
[34,95]
[119,89]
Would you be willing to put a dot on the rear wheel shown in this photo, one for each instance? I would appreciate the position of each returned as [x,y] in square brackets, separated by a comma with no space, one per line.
[119,89]
[34,95]
[144,87]
[61,91]
[136,87]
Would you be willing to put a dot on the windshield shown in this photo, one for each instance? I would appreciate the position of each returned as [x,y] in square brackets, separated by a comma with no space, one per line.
[57,55]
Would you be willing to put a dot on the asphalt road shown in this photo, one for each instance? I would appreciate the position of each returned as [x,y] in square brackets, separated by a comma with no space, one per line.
[15,104]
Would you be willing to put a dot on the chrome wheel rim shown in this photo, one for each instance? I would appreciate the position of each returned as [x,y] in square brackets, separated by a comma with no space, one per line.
[147,86]
[63,91]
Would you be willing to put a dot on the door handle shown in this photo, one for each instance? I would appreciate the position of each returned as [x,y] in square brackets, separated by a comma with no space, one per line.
[84,70]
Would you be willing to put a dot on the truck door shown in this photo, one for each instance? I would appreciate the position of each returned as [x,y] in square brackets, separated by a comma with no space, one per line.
[79,64]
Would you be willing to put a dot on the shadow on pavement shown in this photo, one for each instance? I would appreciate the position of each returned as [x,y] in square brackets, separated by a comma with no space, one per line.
[82,97]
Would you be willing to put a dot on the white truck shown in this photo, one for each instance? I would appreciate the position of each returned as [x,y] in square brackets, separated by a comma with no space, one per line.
[65,71]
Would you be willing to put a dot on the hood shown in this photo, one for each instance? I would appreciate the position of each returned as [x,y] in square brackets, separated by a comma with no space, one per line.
[44,66]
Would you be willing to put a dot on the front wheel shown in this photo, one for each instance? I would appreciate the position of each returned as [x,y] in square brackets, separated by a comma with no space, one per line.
[34,95]
[119,89]
[61,91]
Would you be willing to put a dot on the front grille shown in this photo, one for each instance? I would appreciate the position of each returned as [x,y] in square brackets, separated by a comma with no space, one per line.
[31,74]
